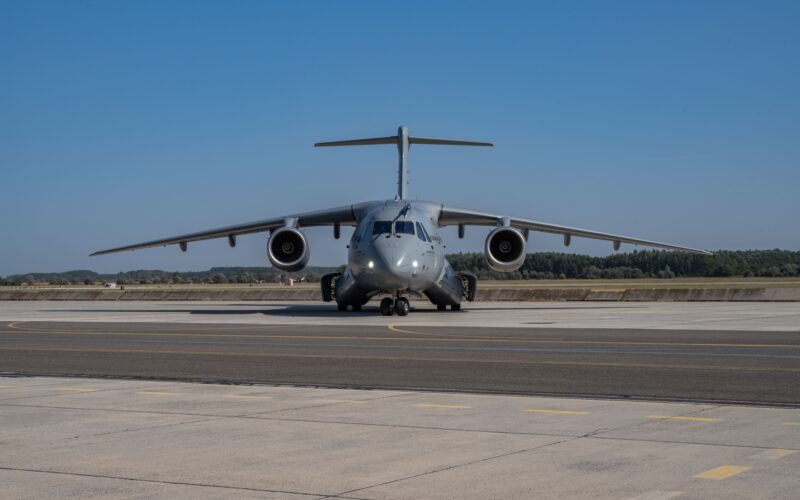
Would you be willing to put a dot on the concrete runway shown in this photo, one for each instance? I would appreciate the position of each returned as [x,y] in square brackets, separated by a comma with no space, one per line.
[433,435]
[507,348]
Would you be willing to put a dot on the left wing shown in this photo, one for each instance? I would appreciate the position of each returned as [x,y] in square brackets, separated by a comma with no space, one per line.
[340,215]
[450,216]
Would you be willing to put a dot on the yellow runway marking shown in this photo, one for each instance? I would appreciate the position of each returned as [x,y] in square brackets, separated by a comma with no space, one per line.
[558,412]
[251,397]
[401,358]
[722,472]
[432,405]
[157,393]
[679,417]
[791,424]
[76,389]
[7,386]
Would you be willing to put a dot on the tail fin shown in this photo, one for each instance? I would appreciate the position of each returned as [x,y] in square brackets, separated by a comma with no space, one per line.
[403,141]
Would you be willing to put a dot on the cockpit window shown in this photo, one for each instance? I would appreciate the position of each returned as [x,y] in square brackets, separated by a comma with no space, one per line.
[382,227]
[421,233]
[403,227]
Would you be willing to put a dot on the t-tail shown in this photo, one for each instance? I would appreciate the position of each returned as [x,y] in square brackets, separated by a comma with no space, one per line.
[404,142]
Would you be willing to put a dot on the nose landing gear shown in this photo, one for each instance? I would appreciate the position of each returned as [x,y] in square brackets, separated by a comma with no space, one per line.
[399,306]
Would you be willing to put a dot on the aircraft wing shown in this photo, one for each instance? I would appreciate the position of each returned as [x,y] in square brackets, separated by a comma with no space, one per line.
[451,216]
[339,215]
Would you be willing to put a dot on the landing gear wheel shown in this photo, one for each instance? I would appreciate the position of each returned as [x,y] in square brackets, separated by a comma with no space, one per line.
[356,307]
[455,307]
[387,306]
[441,307]
[401,306]
[341,307]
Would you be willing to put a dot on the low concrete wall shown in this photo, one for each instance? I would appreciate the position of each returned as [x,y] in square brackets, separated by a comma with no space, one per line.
[487,294]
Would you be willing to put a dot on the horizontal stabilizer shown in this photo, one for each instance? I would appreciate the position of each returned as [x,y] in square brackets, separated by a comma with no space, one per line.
[359,142]
[396,140]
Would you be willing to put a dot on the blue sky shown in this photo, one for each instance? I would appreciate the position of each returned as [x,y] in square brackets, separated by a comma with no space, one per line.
[126,121]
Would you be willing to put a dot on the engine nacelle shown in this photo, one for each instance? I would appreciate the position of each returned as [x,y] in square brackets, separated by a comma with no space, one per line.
[505,249]
[287,249]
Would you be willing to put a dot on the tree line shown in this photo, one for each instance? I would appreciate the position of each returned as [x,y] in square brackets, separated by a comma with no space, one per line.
[639,264]
[541,265]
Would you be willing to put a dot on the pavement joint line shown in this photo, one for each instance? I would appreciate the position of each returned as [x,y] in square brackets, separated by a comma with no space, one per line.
[683,417]
[161,481]
[722,472]
[465,464]
[159,426]
[557,412]
[158,393]
[76,389]
[401,358]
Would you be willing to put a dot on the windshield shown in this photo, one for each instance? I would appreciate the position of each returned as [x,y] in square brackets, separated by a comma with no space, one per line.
[403,227]
[382,227]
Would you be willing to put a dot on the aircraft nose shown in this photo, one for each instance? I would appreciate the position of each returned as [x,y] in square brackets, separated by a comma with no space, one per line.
[383,270]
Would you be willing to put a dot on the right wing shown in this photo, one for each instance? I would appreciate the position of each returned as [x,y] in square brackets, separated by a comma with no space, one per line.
[340,215]
[450,216]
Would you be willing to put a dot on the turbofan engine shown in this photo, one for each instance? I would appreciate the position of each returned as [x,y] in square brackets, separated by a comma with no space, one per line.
[505,249]
[288,249]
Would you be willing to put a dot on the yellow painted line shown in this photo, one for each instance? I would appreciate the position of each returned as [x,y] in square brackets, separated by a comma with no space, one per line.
[773,454]
[76,389]
[432,405]
[791,424]
[558,412]
[251,397]
[157,393]
[7,386]
[722,472]
[680,417]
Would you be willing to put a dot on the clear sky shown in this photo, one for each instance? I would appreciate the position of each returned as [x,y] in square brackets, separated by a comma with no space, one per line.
[121,122]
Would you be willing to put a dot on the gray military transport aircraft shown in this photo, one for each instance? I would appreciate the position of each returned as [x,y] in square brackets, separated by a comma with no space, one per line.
[396,249]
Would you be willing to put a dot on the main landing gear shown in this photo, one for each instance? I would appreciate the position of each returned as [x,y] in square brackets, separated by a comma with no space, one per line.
[399,306]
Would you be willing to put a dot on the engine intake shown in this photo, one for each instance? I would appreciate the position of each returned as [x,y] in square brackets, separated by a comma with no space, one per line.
[505,249]
[288,249]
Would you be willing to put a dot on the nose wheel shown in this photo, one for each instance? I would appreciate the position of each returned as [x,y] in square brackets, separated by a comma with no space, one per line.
[399,306]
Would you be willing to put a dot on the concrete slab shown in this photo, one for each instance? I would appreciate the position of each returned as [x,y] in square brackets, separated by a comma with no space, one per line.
[132,439]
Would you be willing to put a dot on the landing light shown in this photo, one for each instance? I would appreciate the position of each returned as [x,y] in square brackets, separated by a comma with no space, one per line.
[370,264]
[414,264]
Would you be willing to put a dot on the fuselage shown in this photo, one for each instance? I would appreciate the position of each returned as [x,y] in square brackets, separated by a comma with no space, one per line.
[396,248]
